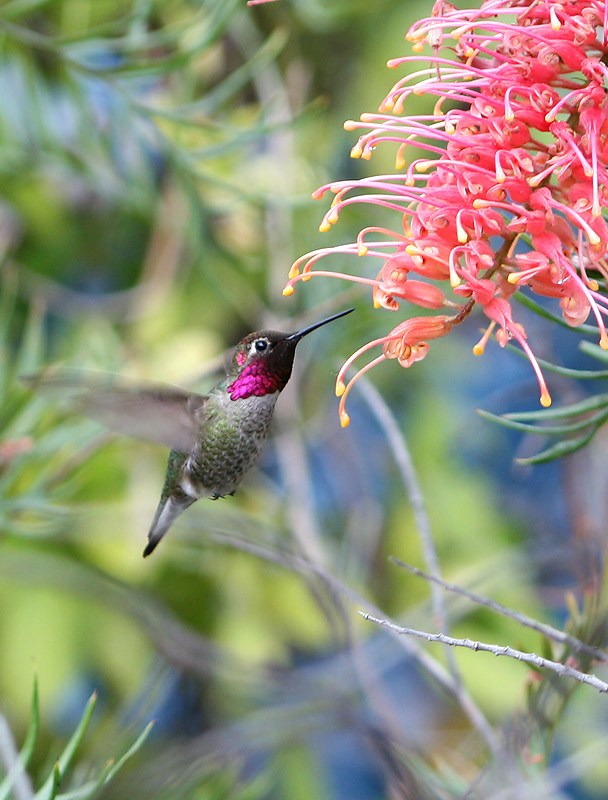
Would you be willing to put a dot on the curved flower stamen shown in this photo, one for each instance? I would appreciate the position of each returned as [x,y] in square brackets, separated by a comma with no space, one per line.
[289,290]
[344,418]
[511,190]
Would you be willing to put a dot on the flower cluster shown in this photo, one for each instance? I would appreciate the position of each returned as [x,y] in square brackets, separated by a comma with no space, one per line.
[514,190]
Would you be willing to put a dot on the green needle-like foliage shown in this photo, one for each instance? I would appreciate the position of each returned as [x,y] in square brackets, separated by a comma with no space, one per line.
[579,421]
[59,776]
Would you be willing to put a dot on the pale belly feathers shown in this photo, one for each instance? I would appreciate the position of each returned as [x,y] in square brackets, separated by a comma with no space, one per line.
[232,435]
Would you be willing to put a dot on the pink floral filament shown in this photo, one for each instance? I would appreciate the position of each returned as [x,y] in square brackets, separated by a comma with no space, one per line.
[512,190]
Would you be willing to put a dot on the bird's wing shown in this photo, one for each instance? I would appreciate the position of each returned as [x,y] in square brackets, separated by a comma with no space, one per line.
[155,412]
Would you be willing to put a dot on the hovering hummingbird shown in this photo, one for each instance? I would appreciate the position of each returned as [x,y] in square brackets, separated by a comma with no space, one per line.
[215,438]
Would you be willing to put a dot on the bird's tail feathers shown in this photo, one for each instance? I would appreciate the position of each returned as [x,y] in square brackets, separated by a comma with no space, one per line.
[167,512]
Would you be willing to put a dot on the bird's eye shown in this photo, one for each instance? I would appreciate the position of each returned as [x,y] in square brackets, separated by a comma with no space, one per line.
[260,345]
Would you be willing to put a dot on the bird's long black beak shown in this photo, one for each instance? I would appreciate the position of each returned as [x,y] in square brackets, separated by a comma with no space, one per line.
[305,331]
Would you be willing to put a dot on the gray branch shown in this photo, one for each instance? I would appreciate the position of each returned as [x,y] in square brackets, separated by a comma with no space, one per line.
[547,630]
[497,650]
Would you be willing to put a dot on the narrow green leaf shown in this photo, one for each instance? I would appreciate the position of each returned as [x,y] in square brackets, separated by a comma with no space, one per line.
[582,407]
[130,752]
[545,430]
[65,759]
[594,350]
[85,791]
[51,786]
[108,772]
[568,372]
[32,731]
[559,449]
[88,789]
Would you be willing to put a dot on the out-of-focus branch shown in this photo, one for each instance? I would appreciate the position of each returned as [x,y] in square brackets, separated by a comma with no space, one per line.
[404,463]
[396,442]
[430,665]
[21,786]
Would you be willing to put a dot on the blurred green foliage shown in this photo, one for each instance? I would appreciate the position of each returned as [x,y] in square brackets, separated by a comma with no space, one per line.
[156,164]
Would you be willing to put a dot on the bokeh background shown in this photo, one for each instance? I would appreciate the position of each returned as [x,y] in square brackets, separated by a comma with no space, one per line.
[157,159]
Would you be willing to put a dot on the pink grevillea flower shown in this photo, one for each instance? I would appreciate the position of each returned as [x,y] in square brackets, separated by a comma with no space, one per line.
[513,193]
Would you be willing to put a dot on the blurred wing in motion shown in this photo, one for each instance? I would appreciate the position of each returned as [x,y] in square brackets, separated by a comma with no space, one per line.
[155,412]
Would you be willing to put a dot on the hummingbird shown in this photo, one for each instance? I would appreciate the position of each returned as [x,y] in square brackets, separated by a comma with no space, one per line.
[214,438]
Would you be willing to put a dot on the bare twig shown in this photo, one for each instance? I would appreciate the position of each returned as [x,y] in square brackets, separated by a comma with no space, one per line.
[547,630]
[498,650]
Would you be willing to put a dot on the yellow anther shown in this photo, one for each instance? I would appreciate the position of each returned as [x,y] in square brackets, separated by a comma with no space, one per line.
[344,419]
